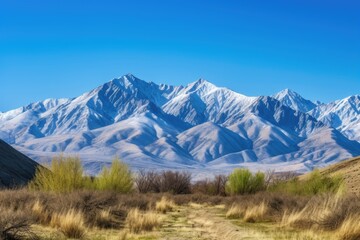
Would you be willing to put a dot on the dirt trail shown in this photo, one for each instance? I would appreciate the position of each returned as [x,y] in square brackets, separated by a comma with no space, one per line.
[202,222]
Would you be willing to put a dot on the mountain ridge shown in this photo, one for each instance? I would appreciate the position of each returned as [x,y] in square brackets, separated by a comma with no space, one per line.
[196,126]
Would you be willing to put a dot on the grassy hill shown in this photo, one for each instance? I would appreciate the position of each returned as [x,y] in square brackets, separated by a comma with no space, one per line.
[16,169]
[350,170]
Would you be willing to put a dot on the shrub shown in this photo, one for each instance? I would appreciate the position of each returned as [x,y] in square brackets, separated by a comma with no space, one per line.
[138,221]
[117,178]
[166,181]
[175,182]
[15,225]
[315,183]
[215,187]
[242,181]
[148,181]
[65,175]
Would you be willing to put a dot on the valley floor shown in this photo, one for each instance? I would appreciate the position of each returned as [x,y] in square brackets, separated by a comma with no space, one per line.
[197,222]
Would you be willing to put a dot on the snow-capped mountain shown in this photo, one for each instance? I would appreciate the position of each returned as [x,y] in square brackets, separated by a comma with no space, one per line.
[193,127]
[344,115]
[294,100]
[202,101]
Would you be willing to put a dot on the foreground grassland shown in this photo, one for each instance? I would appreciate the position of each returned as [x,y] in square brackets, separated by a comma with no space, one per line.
[63,203]
[106,215]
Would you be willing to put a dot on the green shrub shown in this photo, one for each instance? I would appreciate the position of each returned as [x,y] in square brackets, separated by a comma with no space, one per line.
[117,178]
[315,183]
[242,181]
[65,174]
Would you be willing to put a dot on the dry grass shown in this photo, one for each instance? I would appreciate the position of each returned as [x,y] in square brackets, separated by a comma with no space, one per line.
[138,221]
[104,219]
[15,225]
[252,213]
[235,211]
[321,213]
[39,213]
[164,205]
[105,210]
[255,213]
[123,235]
[349,169]
[350,228]
[304,235]
[70,223]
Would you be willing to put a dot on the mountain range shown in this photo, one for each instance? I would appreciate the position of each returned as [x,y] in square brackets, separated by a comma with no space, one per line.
[198,127]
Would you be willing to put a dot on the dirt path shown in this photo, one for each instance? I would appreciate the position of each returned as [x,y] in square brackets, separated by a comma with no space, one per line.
[202,222]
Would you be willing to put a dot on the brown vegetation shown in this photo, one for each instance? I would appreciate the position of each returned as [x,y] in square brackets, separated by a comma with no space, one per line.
[138,221]
[76,206]
[163,182]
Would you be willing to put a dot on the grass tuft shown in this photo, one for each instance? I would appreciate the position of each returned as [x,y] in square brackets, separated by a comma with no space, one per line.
[255,213]
[71,223]
[39,213]
[350,228]
[139,222]
[164,205]
[235,211]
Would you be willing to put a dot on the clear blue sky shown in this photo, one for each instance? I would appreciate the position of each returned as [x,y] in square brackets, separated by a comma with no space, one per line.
[67,47]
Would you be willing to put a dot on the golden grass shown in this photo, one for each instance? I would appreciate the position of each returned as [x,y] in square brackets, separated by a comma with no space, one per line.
[104,219]
[350,228]
[123,235]
[255,213]
[164,205]
[313,213]
[235,211]
[142,221]
[70,223]
[39,213]
[305,235]
[248,214]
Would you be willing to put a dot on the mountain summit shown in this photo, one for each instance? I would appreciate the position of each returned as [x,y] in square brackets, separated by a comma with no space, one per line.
[198,127]
[294,100]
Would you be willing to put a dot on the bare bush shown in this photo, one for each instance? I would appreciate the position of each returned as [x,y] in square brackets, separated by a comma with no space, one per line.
[215,187]
[148,181]
[167,181]
[175,182]
[273,178]
[15,225]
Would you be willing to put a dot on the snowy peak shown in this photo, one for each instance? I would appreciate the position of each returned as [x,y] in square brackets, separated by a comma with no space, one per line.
[285,117]
[344,115]
[294,100]
[201,87]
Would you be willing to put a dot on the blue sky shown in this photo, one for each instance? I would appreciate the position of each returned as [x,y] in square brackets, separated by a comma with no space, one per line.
[64,48]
